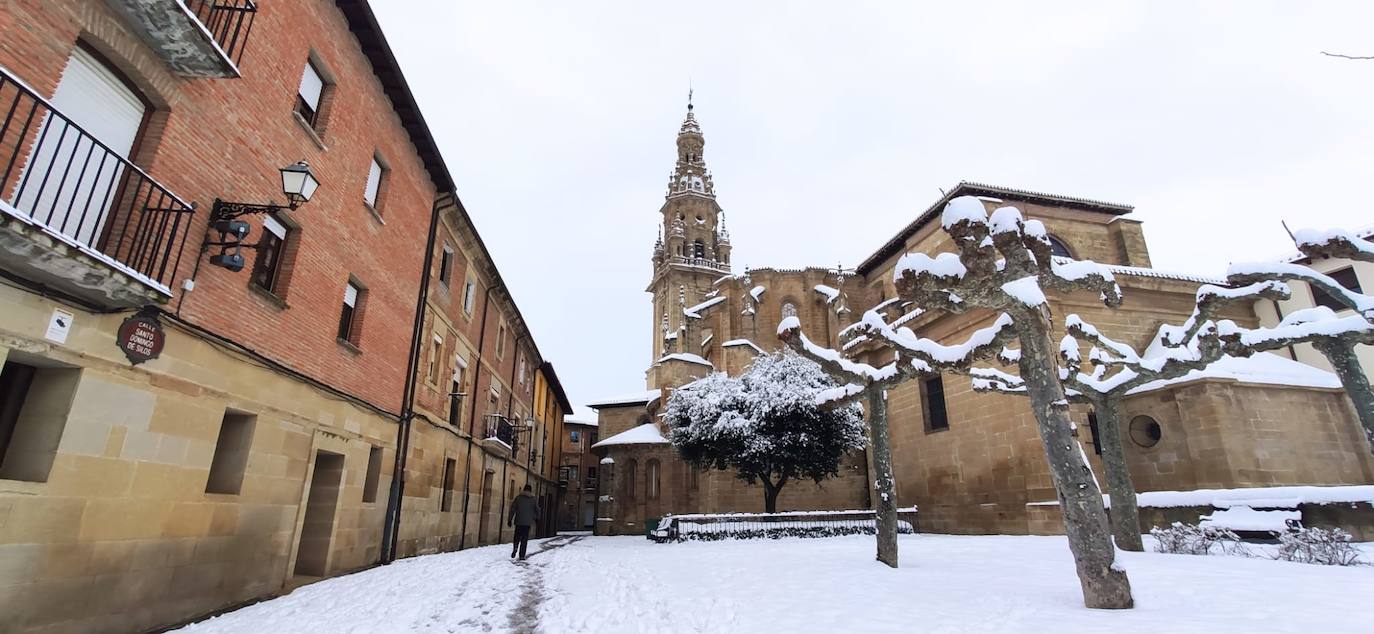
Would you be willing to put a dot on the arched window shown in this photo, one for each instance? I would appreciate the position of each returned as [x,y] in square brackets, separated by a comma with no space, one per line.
[698,249]
[1058,248]
[789,310]
[628,482]
[651,479]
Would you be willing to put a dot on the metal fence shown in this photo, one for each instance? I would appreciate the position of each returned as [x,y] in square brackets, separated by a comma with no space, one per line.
[228,21]
[501,428]
[62,177]
[712,527]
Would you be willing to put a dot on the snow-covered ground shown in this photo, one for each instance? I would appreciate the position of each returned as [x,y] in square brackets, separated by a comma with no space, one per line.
[946,584]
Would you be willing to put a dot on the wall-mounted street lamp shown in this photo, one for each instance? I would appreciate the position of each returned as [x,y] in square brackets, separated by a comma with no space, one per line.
[297,182]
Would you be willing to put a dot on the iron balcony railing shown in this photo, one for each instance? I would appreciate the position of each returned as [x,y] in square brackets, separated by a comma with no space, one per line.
[228,22]
[501,428]
[56,174]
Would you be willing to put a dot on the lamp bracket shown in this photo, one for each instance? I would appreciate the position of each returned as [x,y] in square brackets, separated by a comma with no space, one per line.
[226,210]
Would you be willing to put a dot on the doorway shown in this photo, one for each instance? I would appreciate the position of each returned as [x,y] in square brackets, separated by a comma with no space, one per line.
[588,514]
[317,529]
[484,519]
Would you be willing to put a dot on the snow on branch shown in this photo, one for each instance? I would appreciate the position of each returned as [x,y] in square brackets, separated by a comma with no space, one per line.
[854,376]
[1003,261]
[1333,243]
[1253,272]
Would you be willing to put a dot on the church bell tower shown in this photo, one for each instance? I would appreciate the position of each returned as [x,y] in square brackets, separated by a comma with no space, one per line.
[692,249]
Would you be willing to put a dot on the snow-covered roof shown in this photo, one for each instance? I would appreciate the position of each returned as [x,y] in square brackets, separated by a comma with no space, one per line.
[579,421]
[635,398]
[1263,367]
[688,357]
[897,243]
[647,434]
[831,293]
[741,342]
[695,311]
[1261,497]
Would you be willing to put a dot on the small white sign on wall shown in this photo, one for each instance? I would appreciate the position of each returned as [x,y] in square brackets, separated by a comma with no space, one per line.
[59,326]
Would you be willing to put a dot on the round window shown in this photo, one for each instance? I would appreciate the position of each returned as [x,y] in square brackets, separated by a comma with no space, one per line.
[1145,431]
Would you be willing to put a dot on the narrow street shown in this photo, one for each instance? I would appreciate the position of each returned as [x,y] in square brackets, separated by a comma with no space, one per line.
[946,583]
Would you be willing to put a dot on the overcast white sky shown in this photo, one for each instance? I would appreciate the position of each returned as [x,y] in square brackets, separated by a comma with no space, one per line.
[830,125]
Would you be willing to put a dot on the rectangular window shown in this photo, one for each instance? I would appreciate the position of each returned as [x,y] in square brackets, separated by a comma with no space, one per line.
[351,301]
[455,400]
[231,453]
[374,474]
[575,436]
[450,465]
[446,266]
[1345,277]
[520,373]
[501,342]
[271,245]
[375,171]
[469,296]
[591,473]
[310,94]
[933,398]
[34,403]
[591,438]
[1092,428]
[436,352]
[572,473]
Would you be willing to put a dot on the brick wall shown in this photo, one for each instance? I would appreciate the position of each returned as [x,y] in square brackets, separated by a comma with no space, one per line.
[227,138]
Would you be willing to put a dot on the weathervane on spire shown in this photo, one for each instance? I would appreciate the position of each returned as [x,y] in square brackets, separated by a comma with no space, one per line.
[689,93]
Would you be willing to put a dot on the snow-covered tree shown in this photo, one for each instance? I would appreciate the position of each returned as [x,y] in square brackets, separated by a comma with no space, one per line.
[860,381]
[1117,370]
[1004,264]
[764,424]
[1332,335]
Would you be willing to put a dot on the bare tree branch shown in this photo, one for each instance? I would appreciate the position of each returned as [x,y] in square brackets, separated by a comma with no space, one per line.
[1347,56]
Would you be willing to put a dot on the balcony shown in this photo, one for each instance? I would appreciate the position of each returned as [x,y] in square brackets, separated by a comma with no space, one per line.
[75,216]
[703,263]
[501,433]
[196,38]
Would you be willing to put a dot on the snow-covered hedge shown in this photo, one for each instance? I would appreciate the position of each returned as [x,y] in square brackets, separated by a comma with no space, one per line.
[1318,546]
[700,527]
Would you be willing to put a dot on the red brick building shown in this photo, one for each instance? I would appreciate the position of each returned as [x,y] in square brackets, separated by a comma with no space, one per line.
[182,430]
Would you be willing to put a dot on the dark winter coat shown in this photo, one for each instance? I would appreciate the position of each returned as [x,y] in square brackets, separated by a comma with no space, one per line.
[523,510]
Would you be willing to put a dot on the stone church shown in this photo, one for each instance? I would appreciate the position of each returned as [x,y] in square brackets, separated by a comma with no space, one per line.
[971,462]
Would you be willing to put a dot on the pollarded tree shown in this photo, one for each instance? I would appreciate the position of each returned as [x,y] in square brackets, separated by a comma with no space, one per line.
[1119,370]
[1332,335]
[765,424]
[1003,264]
[863,381]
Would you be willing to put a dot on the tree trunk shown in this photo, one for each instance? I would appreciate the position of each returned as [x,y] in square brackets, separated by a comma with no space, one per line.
[883,480]
[1125,516]
[1342,357]
[1104,584]
[770,493]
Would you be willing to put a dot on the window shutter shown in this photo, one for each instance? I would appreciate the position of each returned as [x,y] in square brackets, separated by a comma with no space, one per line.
[273,226]
[374,181]
[351,296]
[311,86]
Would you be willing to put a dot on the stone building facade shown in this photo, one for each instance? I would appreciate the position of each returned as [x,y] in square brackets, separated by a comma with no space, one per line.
[972,462]
[176,436]
[579,476]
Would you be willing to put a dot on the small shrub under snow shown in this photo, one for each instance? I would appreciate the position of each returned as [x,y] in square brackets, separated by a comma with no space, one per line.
[1190,539]
[1317,546]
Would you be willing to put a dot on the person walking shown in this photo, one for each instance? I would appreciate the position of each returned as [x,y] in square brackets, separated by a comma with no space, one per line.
[523,512]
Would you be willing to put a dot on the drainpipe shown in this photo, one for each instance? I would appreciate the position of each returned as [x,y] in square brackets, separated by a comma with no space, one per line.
[510,408]
[472,416]
[392,524]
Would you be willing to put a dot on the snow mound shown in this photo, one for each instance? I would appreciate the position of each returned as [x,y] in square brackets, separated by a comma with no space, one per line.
[1244,518]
